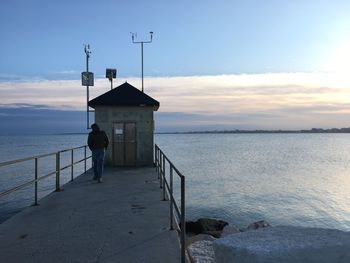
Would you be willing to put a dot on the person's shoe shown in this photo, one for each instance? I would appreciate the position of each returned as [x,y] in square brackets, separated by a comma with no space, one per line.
[99,180]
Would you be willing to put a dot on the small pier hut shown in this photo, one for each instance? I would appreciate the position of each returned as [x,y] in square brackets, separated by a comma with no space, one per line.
[126,115]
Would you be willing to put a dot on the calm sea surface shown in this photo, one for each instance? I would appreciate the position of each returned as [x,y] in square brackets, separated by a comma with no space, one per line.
[297,179]
[17,147]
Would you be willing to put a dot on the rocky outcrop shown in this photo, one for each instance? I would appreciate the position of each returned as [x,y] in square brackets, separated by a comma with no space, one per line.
[199,237]
[229,230]
[207,226]
[201,251]
[258,224]
[284,244]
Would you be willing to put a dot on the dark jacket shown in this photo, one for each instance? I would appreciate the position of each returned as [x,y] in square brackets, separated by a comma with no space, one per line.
[97,140]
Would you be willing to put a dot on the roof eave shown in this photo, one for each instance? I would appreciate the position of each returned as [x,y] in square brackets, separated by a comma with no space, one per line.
[155,107]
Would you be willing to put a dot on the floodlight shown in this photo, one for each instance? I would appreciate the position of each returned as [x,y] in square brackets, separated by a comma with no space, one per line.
[111,73]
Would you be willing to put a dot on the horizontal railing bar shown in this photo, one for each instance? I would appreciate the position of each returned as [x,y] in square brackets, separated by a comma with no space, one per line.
[167,188]
[45,176]
[16,188]
[37,156]
[78,162]
[28,183]
[82,160]
[76,148]
[65,167]
[177,209]
[179,216]
[70,165]
[176,170]
[177,225]
[25,159]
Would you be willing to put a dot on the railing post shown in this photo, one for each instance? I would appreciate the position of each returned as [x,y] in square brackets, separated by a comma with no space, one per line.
[171,198]
[163,166]
[155,158]
[37,178]
[183,223]
[85,159]
[161,169]
[36,183]
[72,163]
[155,155]
[164,179]
[58,170]
[158,159]
[163,173]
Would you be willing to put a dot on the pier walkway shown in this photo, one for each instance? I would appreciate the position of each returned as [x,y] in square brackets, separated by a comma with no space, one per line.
[121,219]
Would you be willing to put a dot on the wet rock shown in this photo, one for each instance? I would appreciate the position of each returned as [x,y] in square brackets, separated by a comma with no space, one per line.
[199,237]
[202,252]
[192,227]
[258,224]
[284,244]
[229,230]
[208,226]
[215,234]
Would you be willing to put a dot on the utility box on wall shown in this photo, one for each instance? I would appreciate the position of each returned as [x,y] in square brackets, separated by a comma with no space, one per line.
[126,115]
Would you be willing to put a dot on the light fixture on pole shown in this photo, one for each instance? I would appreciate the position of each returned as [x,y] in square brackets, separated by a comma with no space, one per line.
[133,36]
[111,73]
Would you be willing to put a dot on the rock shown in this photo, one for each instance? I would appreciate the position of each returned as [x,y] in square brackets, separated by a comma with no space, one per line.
[206,226]
[192,227]
[229,230]
[215,234]
[284,244]
[259,224]
[201,252]
[199,237]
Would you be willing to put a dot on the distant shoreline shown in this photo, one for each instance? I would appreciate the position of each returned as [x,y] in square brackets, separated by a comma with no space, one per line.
[313,130]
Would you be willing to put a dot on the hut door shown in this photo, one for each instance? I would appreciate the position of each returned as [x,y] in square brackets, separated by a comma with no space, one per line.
[124,144]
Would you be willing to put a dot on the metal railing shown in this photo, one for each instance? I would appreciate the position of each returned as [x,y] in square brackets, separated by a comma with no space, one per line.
[168,192]
[56,172]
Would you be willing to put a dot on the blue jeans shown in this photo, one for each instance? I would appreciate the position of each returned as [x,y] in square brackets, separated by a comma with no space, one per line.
[98,156]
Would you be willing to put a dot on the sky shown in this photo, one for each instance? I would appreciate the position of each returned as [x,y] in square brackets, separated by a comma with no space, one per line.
[211,65]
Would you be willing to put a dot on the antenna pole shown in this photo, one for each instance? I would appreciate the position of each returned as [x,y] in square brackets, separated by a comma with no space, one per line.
[142,63]
[133,36]
[87,52]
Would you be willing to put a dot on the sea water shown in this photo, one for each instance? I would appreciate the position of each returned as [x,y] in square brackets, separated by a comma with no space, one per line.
[286,179]
[18,147]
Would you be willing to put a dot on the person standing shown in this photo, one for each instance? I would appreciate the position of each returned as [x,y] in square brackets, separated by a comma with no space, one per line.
[98,143]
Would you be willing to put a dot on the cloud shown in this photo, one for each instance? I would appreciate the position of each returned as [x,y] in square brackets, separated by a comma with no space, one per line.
[39,119]
[10,77]
[65,72]
[272,100]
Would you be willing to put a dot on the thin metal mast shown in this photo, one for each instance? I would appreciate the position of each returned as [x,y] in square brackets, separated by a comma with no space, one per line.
[87,52]
[133,36]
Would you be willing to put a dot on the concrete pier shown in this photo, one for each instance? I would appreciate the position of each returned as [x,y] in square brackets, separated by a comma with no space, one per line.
[121,219]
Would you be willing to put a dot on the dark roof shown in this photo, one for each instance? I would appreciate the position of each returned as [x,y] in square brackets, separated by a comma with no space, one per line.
[124,95]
